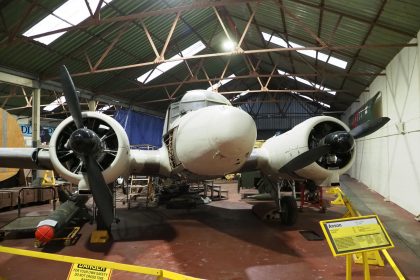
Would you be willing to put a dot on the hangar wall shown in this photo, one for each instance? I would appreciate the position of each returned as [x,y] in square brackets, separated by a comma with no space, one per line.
[388,160]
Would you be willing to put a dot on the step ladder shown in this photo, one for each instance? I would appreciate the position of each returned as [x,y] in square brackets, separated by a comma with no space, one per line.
[136,187]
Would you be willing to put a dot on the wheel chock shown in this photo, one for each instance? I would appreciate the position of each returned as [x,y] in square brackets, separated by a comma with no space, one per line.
[99,236]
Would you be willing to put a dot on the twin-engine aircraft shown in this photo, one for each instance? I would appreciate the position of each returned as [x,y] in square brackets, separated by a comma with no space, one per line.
[204,137]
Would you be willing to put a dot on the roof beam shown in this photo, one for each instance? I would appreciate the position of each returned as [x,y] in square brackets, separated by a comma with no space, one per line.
[97,13]
[221,54]
[110,47]
[208,79]
[26,80]
[25,15]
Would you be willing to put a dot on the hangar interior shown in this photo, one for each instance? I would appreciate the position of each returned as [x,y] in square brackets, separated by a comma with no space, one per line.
[282,62]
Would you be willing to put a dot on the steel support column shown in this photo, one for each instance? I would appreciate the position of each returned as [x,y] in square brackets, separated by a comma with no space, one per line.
[418,58]
[36,123]
[36,117]
[92,105]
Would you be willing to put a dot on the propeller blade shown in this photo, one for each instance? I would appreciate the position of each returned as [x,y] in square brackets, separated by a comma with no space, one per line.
[368,127]
[100,191]
[305,159]
[71,96]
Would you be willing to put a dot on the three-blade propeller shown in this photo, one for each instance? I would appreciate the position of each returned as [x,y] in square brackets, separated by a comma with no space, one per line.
[86,144]
[338,142]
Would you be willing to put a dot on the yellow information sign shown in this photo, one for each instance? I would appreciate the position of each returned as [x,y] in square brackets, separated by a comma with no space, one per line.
[89,272]
[356,234]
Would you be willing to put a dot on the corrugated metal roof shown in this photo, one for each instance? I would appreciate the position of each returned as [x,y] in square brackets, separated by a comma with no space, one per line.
[346,24]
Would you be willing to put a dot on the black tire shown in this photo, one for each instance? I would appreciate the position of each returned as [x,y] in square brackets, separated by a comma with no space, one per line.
[289,210]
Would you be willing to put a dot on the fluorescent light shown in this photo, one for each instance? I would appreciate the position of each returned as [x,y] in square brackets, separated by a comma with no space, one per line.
[216,86]
[228,45]
[59,101]
[166,66]
[312,53]
[69,14]
[306,82]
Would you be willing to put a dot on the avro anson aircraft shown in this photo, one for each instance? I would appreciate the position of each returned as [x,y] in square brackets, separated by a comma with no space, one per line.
[204,137]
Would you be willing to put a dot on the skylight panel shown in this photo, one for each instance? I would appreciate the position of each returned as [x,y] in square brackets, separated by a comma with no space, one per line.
[193,49]
[74,11]
[240,95]
[49,23]
[169,65]
[166,66]
[149,75]
[69,14]
[312,53]
[306,82]
[50,107]
[216,86]
[313,100]
[303,81]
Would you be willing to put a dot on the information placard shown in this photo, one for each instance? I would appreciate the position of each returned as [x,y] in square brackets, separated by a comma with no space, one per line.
[355,235]
[89,272]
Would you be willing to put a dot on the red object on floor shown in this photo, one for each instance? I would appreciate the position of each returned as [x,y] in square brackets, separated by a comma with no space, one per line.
[44,233]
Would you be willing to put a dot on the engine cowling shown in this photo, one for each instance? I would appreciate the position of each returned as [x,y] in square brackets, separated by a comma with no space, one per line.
[112,156]
[281,149]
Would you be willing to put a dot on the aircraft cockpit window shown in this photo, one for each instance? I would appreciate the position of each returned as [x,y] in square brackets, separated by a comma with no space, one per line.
[194,100]
[197,99]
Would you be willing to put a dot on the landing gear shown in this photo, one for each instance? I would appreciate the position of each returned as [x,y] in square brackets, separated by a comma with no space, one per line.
[286,204]
[289,210]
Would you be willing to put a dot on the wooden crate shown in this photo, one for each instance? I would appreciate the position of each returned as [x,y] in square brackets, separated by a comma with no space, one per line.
[5,199]
[15,195]
[45,194]
[28,196]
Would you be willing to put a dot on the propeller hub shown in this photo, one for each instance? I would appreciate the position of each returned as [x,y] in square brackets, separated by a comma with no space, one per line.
[84,141]
[340,142]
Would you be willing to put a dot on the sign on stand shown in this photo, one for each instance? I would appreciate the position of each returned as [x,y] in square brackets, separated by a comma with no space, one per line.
[355,235]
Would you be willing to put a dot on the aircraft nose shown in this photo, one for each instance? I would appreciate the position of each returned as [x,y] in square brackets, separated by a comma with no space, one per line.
[215,140]
[234,132]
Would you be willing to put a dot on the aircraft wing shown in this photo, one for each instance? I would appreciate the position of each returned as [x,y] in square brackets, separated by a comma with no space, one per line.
[29,158]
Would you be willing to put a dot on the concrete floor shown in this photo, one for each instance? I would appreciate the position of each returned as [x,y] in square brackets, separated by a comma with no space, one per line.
[223,240]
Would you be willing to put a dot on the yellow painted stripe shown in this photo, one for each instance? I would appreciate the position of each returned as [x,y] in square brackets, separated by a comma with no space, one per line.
[107,264]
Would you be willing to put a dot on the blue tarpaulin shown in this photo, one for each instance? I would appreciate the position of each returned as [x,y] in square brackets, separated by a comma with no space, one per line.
[141,128]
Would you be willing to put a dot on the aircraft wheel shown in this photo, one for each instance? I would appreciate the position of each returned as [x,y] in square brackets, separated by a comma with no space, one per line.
[289,210]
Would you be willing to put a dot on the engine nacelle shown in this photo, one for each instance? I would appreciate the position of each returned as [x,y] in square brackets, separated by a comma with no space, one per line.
[279,150]
[112,157]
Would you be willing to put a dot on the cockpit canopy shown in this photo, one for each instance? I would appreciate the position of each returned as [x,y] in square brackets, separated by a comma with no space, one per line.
[194,100]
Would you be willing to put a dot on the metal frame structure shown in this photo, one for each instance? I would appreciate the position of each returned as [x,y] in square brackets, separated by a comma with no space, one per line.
[254,61]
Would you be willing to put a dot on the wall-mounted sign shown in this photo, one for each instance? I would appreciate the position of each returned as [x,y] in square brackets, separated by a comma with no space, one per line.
[45,132]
